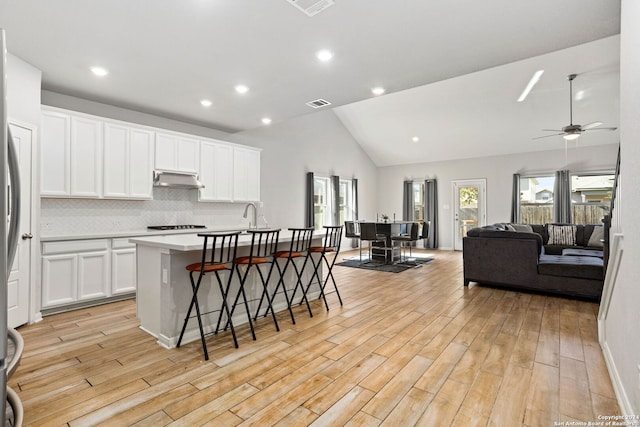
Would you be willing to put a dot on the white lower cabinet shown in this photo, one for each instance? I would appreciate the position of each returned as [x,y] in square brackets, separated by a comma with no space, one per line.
[74,271]
[93,275]
[123,266]
[59,279]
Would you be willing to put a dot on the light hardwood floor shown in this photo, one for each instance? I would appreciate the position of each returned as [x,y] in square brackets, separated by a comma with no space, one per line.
[414,348]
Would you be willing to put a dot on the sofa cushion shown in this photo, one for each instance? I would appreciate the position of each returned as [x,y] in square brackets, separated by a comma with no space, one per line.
[542,231]
[475,232]
[585,267]
[596,236]
[523,228]
[562,234]
[496,234]
[582,252]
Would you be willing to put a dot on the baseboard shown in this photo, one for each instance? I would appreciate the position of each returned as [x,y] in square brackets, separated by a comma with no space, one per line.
[37,317]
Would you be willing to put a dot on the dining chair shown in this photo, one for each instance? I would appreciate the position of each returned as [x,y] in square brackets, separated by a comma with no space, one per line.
[368,233]
[407,239]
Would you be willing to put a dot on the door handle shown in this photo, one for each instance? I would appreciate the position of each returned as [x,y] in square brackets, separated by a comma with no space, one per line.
[26,236]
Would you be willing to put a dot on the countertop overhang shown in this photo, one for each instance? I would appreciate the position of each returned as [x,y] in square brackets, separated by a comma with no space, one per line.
[193,242]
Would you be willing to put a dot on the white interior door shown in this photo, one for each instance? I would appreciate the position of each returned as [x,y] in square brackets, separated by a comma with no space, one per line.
[20,277]
[469,201]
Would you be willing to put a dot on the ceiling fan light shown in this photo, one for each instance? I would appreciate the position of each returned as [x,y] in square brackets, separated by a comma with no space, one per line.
[571,136]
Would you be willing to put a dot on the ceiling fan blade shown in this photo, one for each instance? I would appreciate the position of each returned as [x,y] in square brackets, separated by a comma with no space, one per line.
[600,129]
[547,136]
[552,130]
[592,125]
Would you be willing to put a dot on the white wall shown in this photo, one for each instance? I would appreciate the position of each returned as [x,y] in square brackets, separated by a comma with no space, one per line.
[23,90]
[621,341]
[497,170]
[318,143]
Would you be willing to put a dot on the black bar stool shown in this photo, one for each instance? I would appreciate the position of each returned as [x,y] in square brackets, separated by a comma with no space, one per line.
[263,245]
[223,252]
[330,247]
[299,248]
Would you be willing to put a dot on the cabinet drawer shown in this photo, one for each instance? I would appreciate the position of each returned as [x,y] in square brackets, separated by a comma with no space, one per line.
[49,248]
[122,243]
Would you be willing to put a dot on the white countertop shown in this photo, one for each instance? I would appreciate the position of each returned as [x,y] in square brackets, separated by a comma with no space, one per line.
[193,242]
[133,233]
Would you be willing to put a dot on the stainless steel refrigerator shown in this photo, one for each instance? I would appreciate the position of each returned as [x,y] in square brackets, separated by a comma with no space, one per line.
[10,207]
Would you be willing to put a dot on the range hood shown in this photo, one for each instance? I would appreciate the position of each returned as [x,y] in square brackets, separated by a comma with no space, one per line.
[176,180]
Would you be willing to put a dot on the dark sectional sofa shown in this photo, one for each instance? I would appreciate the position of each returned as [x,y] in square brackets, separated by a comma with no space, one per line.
[537,258]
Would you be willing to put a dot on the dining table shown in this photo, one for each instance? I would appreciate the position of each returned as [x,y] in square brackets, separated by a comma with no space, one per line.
[388,229]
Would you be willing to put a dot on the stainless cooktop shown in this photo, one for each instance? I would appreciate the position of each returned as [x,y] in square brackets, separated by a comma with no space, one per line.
[175,227]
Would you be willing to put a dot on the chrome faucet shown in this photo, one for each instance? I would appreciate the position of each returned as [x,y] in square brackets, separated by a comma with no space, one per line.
[253,224]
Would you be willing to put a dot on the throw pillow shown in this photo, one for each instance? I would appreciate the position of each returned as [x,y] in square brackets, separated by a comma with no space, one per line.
[510,227]
[522,228]
[564,235]
[596,236]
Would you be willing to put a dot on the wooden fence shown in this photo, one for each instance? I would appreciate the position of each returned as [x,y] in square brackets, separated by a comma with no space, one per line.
[581,213]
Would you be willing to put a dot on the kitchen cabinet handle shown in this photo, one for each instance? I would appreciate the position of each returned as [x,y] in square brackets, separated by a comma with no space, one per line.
[26,236]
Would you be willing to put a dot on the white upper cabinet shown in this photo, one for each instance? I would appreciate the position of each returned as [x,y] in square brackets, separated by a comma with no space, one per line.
[141,150]
[56,145]
[246,174]
[71,155]
[116,160]
[229,172]
[94,157]
[86,157]
[216,171]
[128,162]
[176,153]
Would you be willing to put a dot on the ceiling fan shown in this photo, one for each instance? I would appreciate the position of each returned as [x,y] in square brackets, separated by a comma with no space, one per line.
[571,131]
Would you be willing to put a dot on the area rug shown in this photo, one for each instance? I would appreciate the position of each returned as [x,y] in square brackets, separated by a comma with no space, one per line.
[389,268]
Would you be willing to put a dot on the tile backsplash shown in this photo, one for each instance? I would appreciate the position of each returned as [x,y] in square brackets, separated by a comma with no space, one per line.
[169,206]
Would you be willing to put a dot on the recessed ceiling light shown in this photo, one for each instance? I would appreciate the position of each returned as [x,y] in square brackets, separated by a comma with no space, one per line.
[266,121]
[377,90]
[324,55]
[206,103]
[415,139]
[241,89]
[99,71]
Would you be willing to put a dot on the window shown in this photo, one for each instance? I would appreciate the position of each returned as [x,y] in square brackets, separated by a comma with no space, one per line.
[321,208]
[347,204]
[418,201]
[590,197]
[536,199]
[322,201]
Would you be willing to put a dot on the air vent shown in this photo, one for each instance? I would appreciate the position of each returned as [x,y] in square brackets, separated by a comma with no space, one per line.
[311,7]
[318,103]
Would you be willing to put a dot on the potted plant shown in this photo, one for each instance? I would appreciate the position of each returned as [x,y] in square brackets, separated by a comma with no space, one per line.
[385,217]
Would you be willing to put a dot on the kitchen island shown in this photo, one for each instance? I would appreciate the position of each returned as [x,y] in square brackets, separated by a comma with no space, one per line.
[164,290]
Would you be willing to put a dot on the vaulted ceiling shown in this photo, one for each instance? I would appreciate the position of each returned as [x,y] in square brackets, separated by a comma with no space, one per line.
[452,70]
